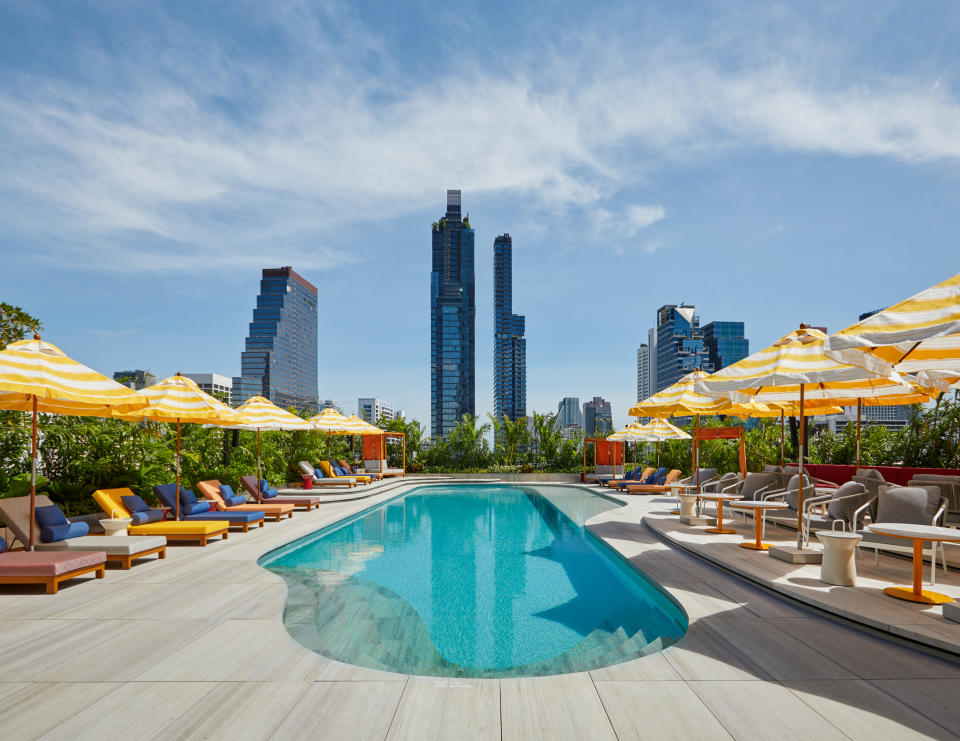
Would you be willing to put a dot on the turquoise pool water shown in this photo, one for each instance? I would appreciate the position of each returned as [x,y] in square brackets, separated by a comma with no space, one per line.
[472,581]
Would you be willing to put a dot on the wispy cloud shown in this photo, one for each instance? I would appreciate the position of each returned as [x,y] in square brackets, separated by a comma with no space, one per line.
[214,160]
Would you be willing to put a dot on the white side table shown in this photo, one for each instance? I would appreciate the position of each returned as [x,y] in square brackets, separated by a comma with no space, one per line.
[115,526]
[839,566]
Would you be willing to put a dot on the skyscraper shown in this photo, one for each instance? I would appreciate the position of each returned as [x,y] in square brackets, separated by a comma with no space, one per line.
[452,320]
[597,416]
[725,343]
[509,344]
[643,372]
[135,379]
[280,359]
[569,416]
[680,347]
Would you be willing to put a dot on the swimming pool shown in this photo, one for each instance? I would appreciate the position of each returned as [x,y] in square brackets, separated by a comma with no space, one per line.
[472,581]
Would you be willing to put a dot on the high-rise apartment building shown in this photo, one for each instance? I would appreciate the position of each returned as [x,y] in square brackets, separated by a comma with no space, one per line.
[280,359]
[135,379]
[652,353]
[509,344]
[643,372]
[213,384]
[680,346]
[725,344]
[372,410]
[452,320]
[569,416]
[597,416]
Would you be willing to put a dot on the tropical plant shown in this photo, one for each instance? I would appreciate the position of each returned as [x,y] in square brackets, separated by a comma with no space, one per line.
[15,324]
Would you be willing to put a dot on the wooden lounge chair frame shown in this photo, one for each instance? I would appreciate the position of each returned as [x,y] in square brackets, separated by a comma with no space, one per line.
[52,583]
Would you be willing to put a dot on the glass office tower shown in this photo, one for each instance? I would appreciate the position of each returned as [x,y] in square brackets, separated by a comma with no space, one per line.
[452,320]
[725,343]
[680,347]
[509,345]
[280,359]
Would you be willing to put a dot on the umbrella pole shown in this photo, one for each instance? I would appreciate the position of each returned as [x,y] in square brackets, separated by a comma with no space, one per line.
[259,472]
[696,451]
[803,440]
[178,468]
[33,472]
[782,434]
[658,453]
[859,408]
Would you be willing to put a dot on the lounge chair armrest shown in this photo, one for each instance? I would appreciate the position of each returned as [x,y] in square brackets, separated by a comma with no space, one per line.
[809,502]
[943,508]
[863,507]
[775,495]
[725,489]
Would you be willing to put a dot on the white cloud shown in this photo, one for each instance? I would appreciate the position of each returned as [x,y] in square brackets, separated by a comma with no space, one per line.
[158,163]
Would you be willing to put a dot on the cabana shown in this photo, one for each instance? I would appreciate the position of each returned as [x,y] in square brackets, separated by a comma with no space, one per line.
[375,454]
[607,456]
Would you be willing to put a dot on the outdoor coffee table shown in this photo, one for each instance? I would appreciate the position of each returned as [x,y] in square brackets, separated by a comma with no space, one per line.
[757,506]
[918,534]
[838,566]
[719,499]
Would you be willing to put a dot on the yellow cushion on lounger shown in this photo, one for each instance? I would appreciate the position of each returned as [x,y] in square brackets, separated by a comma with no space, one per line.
[110,501]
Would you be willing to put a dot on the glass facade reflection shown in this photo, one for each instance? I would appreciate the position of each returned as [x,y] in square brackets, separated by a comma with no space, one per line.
[725,343]
[680,345]
[280,357]
[452,320]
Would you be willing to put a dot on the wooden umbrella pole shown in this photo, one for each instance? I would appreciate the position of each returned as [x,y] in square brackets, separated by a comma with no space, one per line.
[782,433]
[696,452]
[33,472]
[259,469]
[177,490]
[803,440]
[859,408]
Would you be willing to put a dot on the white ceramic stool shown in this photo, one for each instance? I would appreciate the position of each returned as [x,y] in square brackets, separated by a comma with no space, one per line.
[838,566]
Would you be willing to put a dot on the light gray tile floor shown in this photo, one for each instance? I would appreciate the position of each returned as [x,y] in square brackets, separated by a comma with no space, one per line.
[194,647]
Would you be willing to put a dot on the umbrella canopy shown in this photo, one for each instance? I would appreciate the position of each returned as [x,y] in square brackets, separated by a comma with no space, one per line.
[920,335]
[258,413]
[334,423]
[631,433]
[660,429]
[36,376]
[369,428]
[178,399]
[795,369]
[683,400]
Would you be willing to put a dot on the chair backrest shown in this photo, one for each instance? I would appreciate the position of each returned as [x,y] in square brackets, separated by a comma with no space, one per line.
[211,490]
[167,493]
[915,505]
[772,469]
[793,489]
[949,487]
[15,512]
[111,500]
[646,472]
[252,485]
[327,469]
[672,476]
[754,482]
[846,500]
[306,469]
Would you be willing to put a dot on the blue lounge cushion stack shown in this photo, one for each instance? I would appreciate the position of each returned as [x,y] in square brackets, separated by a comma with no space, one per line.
[265,491]
[318,473]
[229,498]
[190,505]
[140,512]
[54,525]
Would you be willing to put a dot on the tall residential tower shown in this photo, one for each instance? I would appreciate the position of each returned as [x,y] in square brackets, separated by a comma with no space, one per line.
[509,344]
[452,320]
[280,359]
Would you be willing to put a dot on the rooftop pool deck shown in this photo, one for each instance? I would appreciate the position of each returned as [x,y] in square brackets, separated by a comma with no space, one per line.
[195,647]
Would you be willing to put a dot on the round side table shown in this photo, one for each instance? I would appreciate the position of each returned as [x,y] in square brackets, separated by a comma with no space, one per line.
[838,566]
[115,526]
[719,499]
[758,506]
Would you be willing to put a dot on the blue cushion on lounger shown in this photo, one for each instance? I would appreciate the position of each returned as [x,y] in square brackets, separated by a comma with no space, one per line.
[166,493]
[142,518]
[229,498]
[133,503]
[318,473]
[650,479]
[341,471]
[266,492]
[50,516]
[196,508]
[3,545]
[54,533]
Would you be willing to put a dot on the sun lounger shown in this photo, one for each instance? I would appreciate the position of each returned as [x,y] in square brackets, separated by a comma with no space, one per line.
[193,510]
[335,472]
[49,567]
[635,475]
[649,476]
[674,475]
[304,501]
[275,511]
[111,502]
[320,479]
[604,472]
[122,549]
[375,474]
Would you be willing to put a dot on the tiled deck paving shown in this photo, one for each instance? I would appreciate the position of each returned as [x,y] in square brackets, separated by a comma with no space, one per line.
[194,647]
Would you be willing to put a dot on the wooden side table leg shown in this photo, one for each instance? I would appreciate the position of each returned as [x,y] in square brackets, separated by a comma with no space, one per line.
[918,568]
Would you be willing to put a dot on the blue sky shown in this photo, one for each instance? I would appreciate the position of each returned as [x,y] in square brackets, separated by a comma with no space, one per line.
[771,163]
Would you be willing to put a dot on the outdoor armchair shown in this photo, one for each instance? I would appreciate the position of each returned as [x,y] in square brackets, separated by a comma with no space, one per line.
[949,489]
[728,479]
[914,505]
[812,495]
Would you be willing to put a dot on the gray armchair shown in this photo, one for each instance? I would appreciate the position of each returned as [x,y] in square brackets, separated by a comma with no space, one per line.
[812,496]
[914,505]
[727,480]
[949,489]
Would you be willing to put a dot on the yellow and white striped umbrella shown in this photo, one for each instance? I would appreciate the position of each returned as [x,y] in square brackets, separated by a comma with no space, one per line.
[660,429]
[795,369]
[919,336]
[775,375]
[36,377]
[259,413]
[682,400]
[370,429]
[34,370]
[334,423]
[629,434]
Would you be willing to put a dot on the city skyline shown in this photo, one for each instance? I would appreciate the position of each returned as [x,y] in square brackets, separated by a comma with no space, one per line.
[147,188]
